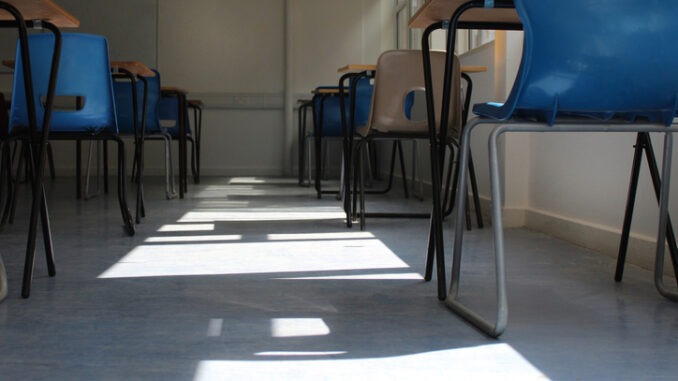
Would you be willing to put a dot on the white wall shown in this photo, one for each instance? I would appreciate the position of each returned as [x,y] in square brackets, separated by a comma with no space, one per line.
[241,58]
[324,36]
[569,185]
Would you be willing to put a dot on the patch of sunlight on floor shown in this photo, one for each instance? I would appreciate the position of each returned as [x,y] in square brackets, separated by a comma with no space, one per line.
[254,258]
[300,353]
[262,180]
[186,228]
[319,236]
[298,327]
[486,362]
[263,214]
[194,238]
[224,191]
[390,276]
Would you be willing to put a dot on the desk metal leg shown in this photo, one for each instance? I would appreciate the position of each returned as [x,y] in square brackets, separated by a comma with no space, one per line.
[435,243]
[347,132]
[39,204]
[183,184]
[643,143]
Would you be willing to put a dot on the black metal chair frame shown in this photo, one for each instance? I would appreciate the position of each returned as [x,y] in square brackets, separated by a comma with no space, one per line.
[37,141]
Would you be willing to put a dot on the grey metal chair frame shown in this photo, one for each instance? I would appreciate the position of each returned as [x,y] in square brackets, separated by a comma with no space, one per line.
[496,328]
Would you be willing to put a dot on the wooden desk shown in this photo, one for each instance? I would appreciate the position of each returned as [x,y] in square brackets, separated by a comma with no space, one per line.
[30,11]
[361,67]
[45,10]
[331,90]
[433,11]
[461,14]
[132,67]
[182,105]
[356,68]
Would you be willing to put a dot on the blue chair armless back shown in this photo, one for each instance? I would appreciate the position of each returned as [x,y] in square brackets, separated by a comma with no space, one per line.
[601,59]
[363,100]
[168,112]
[84,74]
[331,112]
[331,122]
[124,104]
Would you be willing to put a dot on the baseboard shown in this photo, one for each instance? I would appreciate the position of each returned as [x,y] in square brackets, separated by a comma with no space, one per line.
[602,239]
[599,238]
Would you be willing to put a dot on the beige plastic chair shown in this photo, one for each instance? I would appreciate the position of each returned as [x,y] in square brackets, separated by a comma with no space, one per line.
[399,73]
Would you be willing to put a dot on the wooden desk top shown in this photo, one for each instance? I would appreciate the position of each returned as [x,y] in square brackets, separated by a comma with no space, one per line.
[361,67]
[134,67]
[331,90]
[173,90]
[41,10]
[433,11]
[356,68]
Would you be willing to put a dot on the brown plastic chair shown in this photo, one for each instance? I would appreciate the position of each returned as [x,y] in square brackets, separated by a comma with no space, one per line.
[399,73]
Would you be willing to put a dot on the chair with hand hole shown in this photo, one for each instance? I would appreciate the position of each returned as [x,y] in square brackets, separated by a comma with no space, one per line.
[610,71]
[84,84]
[398,77]
[327,122]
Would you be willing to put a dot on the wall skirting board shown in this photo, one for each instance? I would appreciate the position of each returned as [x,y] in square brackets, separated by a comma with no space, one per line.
[599,238]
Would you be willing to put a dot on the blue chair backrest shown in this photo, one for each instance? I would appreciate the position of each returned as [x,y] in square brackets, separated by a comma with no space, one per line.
[84,75]
[603,59]
[168,112]
[124,104]
[332,108]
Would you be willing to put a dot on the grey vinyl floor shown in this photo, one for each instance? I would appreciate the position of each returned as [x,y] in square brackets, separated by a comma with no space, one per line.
[257,279]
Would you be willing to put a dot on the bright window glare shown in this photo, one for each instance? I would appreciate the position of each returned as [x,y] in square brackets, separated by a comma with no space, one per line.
[487,362]
[253,258]
[319,236]
[195,238]
[187,228]
[298,327]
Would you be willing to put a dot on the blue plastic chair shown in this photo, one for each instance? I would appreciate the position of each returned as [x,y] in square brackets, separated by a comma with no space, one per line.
[84,79]
[168,112]
[151,124]
[327,125]
[586,66]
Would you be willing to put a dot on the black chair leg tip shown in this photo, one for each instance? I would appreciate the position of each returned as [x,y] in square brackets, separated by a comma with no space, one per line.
[129,228]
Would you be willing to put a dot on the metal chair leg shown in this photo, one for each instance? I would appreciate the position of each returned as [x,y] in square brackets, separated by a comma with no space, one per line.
[3,280]
[128,221]
[664,219]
